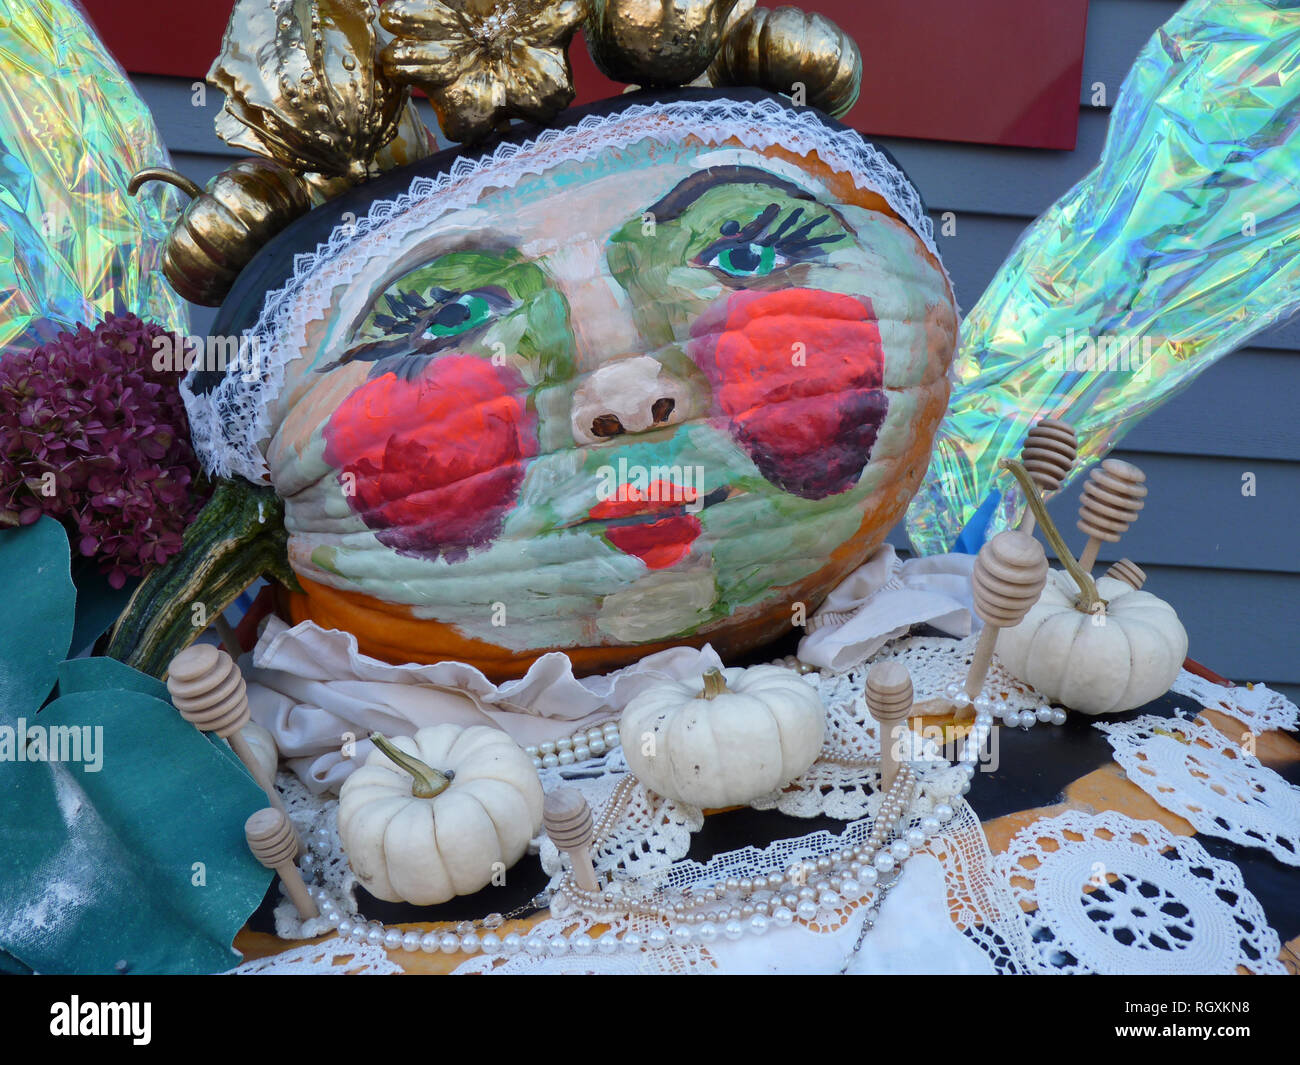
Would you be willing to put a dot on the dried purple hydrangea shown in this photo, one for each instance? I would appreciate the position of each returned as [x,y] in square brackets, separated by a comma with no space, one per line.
[96,437]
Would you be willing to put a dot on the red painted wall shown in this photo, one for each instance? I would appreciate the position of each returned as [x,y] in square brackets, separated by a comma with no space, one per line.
[988,71]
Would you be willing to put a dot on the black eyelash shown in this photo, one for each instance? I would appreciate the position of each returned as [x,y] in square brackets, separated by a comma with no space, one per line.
[414,310]
[789,242]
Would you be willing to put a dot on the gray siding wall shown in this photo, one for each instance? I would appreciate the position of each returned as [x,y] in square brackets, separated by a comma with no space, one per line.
[1228,563]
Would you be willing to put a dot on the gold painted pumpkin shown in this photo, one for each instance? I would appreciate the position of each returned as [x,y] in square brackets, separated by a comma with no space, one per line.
[655,42]
[779,49]
[655,382]
[226,224]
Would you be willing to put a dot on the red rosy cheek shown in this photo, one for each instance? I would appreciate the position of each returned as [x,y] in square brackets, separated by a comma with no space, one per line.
[798,374]
[437,461]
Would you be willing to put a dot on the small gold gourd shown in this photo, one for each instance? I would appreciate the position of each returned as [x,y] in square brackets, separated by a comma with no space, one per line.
[225,225]
[655,42]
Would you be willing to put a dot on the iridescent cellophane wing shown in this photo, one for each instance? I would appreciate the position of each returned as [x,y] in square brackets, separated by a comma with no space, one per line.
[1182,243]
[73,245]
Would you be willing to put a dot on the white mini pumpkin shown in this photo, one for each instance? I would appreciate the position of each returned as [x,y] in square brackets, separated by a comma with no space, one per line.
[1130,658]
[739,735]
[463,800]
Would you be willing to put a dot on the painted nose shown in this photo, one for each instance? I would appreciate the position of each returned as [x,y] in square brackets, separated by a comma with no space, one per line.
[634,395]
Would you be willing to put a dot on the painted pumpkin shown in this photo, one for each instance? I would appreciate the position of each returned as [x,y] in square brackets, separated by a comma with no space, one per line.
[648,380]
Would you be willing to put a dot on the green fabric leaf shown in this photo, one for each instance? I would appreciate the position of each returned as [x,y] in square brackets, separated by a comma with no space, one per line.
[39,598]
[100,674]
[98,868]
[99,604]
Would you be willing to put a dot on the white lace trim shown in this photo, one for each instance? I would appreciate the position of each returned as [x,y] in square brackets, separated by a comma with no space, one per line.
[1195,771]
[229,424]
[1106,894]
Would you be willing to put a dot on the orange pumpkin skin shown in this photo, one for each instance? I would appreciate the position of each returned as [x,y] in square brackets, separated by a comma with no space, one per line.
[909,311]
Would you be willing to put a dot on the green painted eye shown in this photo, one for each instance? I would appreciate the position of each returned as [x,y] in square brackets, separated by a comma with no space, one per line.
[459,316]
[747,260]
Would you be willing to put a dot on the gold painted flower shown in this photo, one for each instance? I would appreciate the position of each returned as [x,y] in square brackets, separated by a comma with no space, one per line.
[483,62]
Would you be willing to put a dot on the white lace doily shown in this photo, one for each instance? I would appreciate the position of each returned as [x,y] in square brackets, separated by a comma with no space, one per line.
[1106,894]
[228,423]
[331,957]
[980,902]
[1194,770]
[1258,707]
[316,817]
[933,663]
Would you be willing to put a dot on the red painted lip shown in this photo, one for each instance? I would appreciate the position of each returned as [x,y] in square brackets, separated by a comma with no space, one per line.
[652,525]
[659,544]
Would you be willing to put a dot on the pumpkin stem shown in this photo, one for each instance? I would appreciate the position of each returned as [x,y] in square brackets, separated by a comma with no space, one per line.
[1088,600]
[426,782]
[715,684]
[162,173]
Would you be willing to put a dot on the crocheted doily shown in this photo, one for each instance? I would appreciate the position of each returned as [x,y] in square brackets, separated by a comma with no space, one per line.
[1107,894]
[1256,706]
[331,957]
[228,423]
[1194,770]
[652,832]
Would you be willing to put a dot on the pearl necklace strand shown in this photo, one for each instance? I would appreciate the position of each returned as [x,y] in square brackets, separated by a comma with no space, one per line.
[730,908]
[1044,714]
[583,744]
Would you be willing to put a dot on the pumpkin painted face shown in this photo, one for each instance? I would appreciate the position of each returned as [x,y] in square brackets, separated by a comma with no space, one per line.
[657,392]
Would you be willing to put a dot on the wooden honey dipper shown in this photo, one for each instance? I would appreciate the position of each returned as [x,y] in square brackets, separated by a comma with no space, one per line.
[567,820]
[1129,572]
[1050,451]
[274,843]
[1009,575]
[1111,501]
[208,689]
[889,698]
